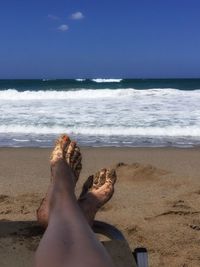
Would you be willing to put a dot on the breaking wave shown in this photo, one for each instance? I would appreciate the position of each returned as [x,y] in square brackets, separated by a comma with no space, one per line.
[99,80]
[14,95]
[80,80]
[190,131]
[100,116]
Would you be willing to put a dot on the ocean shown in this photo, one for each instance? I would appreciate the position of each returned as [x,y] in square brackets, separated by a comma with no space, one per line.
[100,112]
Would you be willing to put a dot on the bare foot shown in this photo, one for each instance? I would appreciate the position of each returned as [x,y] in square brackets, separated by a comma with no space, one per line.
[66,157]
[69,152]
[97,190]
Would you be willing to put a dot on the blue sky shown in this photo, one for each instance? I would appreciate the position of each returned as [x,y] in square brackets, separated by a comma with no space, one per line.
[107,38]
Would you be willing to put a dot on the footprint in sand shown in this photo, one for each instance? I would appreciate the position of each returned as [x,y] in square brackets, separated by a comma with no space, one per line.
[139,172]
[177,207]
[180,204]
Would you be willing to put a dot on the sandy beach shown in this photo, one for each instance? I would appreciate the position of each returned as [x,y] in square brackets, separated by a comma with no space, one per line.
[155,205]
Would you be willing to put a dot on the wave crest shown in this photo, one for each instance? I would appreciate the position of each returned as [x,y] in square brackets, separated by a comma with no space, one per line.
[14,95]
[173,131]
[80,80]
[99,80]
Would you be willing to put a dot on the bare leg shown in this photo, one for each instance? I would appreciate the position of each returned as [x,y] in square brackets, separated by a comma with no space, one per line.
[97,190]
[69,152]
[68,239]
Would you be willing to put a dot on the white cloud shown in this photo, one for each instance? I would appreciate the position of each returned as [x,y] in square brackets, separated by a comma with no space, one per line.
[77,15]
[53,17]
[63,27]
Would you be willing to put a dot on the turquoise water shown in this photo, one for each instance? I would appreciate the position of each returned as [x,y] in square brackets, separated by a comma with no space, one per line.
[69,84]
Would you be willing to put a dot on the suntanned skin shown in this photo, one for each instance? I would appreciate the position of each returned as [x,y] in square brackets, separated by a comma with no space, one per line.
[69,239]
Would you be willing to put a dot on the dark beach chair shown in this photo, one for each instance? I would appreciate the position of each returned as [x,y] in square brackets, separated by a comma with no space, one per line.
[118,247]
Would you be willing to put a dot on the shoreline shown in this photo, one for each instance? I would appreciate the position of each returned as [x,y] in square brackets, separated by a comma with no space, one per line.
[109,147]
[106,146]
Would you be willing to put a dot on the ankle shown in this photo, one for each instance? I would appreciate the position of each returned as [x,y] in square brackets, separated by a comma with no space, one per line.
[62,173]
[62,197]
[89,208]
[60,167]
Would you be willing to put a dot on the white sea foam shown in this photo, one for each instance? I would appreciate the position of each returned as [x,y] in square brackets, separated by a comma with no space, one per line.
[99,80]
[14,95]
[21,140]
[174,131]
[101,115]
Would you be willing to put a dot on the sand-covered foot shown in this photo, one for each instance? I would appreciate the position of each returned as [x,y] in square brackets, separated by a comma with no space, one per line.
[66,154]
[67,151]
[97,190]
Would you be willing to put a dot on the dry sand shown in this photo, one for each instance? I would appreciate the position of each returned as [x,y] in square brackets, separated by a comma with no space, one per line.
[156,203]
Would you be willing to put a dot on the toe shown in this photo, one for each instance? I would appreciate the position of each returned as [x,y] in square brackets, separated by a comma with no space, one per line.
[60,144]
[111,176]
[69,152]
[76,157]
[65,142]
[73,158]
[77,161]
[76,164]
[100,178]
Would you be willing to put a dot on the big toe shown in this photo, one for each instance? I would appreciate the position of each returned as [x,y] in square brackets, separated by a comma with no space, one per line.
[111,176]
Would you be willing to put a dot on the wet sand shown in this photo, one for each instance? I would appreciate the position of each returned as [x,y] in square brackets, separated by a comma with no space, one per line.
[156,202]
